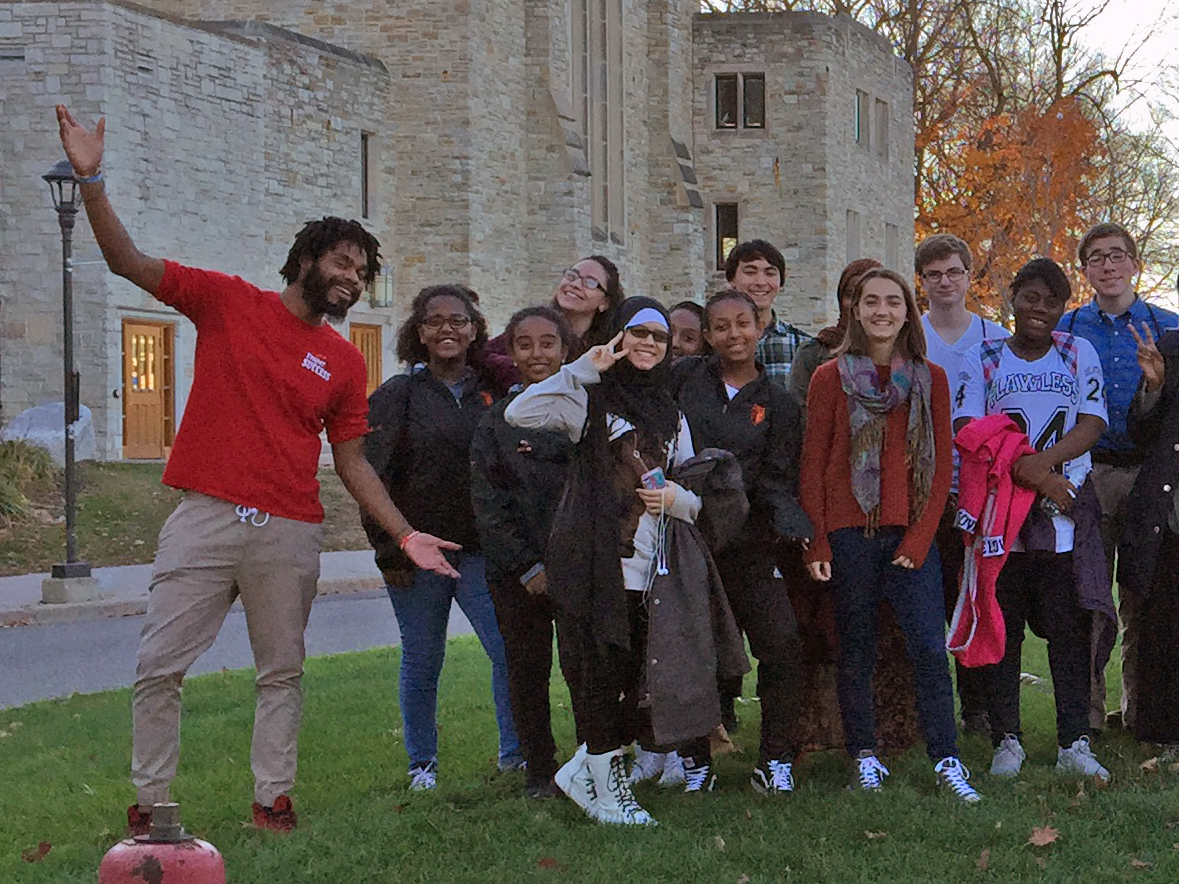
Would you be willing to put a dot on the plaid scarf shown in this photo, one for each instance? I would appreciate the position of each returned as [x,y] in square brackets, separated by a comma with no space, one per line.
[868,406]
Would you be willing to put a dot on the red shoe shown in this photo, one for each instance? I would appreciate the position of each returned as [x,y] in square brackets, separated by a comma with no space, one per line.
[279,818]
[138,821]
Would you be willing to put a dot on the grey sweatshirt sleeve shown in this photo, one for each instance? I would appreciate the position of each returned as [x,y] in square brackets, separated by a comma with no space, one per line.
[556,403]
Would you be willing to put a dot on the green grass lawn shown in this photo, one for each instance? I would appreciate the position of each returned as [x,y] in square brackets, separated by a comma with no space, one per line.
[121,508]
[63,781]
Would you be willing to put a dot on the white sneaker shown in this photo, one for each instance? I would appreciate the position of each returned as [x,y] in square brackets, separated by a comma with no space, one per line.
[575,781]
[647,766]
[1009,757]
[423,777]
[773,777]
[1079,759]
[953,773]
[673,770]
[614,802]
[870,773]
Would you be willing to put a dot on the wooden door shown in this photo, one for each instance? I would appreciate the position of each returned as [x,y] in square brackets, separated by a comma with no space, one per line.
[367,339]
[147,389]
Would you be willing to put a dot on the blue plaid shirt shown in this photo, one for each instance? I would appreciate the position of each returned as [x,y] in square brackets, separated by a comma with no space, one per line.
[776,349]
[1111,338]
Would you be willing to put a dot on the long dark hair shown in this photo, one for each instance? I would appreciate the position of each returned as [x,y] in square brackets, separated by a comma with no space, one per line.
[410,348]
[598,332]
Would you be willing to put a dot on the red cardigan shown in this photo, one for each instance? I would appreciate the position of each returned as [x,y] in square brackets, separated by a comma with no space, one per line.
[826,466]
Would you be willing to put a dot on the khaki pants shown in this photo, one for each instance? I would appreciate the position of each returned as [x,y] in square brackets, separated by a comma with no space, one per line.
[209,555]
[1113,486]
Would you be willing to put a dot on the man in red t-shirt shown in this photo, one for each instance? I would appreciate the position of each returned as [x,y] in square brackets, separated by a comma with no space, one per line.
[269,376]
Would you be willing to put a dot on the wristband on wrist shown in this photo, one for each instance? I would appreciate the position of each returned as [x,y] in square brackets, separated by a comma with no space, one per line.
[407,538]
[93,179]
[527,576]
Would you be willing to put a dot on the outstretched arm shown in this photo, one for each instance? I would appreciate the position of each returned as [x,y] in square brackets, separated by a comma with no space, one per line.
[84,149]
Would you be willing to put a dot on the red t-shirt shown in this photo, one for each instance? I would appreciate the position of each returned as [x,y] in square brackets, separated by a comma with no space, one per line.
[265,384]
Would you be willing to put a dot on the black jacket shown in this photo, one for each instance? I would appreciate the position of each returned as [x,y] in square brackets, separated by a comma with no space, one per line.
[762,427]
[1156,434]
[517,477]
[419,443]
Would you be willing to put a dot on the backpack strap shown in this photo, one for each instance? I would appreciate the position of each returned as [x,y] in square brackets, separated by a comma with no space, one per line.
[990,352]
[1066,346]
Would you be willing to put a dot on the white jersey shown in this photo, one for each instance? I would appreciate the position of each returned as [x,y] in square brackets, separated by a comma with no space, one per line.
[1043,397]
[949,356]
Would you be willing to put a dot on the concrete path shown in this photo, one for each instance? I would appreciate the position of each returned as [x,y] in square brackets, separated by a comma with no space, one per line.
[124,590]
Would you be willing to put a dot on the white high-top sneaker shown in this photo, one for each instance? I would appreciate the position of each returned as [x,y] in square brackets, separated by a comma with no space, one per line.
[575,781]
[614,801]
[647,766]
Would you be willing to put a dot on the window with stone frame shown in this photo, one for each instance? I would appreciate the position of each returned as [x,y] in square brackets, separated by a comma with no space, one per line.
[725,225]
[598,99]
[862,114]
[740,100]
[853,235]
[881,129]
[365,174]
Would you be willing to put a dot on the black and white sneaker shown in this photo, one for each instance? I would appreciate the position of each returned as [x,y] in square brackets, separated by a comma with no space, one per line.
[773,777]
[698,777]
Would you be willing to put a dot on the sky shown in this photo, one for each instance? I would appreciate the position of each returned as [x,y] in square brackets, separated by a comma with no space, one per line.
[1128,23]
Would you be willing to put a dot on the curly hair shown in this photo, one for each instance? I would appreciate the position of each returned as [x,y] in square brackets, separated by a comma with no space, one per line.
[410,348]
[317,238]
[552,314]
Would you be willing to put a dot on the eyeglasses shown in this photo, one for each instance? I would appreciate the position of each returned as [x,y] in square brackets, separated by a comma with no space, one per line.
[1097,259]
[659,337]
[589,282]
[933,277]
[458,323]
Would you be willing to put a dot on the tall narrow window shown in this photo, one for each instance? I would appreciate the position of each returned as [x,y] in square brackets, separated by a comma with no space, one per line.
[740,101]
[853,235]
[882,129]
[365,179]
[597,91]
[861,119]
[726,231]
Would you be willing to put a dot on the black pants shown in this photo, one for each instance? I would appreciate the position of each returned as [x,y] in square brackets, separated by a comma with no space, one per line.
[526,624]
[972,685]
[763,612]
[1038,589]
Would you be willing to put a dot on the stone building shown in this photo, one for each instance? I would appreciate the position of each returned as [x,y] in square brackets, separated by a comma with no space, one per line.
[491,143]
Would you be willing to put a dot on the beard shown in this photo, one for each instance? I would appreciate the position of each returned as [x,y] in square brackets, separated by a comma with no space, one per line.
[317,295]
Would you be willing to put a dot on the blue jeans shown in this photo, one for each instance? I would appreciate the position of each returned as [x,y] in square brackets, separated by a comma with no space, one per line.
[862,572]
[423,610]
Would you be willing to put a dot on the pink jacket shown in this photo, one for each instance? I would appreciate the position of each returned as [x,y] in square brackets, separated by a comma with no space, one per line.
[991,512]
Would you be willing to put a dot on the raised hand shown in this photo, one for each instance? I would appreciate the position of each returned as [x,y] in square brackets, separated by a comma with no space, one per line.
[83,147]
[1150,360]
[604,356]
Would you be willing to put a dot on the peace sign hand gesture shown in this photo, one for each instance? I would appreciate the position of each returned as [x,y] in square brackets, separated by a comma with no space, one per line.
[604,356]
[82,146]
[1149,358]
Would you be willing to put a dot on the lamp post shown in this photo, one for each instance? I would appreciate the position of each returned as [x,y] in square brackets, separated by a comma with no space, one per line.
[66,199]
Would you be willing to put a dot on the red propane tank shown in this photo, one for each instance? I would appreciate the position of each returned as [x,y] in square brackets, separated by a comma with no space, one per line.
[167,855]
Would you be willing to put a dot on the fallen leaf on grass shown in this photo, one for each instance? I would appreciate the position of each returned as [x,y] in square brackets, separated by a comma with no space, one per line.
[872,836]
[749,814]
[1041,862]
[401,808]
[1099,784]
[547,862]
[984,859]
[1136,863]
[718,842]
[1042,836]
[1151,765]
[1173,768]
[744,879]
[36,854]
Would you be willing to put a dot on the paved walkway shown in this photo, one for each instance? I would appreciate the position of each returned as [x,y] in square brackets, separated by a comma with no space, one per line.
[124,590]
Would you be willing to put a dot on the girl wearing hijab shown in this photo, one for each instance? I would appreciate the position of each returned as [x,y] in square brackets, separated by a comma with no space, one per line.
[875,477]
[634,594]
[516,481]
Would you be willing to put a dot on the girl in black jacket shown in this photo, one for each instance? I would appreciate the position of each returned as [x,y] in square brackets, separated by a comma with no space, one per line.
[517,476]
[422,424]
[731,404]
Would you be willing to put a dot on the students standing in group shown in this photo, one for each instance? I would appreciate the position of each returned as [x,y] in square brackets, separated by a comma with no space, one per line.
[1109,259]
[943,263]
[422,424]
[517,477]
[1150,568]
[759,270]
[1055,580]
[875,475]
[730,404]
[644,669]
